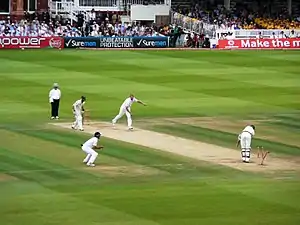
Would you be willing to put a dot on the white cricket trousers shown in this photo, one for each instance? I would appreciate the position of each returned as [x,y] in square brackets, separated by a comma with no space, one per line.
[246,146]
[91,155]
[78,121]
[121,113]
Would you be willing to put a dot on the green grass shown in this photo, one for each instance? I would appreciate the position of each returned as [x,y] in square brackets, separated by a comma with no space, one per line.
[42,180]
[223,138]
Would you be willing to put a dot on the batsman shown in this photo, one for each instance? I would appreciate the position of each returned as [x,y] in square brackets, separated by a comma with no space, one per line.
[77,108]
[244,139]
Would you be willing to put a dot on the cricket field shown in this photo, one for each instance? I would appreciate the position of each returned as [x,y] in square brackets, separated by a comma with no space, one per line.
[179,166]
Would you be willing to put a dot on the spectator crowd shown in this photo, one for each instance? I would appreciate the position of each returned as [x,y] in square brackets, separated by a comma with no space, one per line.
[252,14]
[96,24]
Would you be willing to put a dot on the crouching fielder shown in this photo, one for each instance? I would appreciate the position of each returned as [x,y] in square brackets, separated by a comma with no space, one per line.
[77,111]
[126,109]
[89,148]
[244,139]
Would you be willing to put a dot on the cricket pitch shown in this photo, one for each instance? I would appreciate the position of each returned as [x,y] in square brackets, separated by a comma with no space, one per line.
[187,148]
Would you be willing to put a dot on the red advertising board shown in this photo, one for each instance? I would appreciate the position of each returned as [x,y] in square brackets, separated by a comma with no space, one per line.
[279,43]
[31,42]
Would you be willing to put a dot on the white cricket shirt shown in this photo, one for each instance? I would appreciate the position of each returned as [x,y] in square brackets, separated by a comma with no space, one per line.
[54,94]
[250,130]
[90,143]
[128,102]
[78,105]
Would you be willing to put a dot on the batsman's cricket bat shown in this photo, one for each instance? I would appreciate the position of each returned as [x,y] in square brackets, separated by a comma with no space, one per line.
[238,143]
[86,116]
[83,120]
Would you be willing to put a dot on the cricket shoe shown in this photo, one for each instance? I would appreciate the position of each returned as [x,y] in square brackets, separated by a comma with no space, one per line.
[73,127]
[57,117]
[91,164]
[81,129]
[130,128]
[52,117]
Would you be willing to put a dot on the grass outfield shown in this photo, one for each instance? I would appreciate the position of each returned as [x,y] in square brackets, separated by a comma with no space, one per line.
[205,96]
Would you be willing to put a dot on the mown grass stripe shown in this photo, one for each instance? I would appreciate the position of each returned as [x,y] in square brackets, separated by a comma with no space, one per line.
[288,125]
[133,154]
[13,161]
[222,138]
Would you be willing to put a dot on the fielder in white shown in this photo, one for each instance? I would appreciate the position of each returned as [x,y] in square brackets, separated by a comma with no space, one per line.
[89,148]
[244,139]
[126,109]
[77,111]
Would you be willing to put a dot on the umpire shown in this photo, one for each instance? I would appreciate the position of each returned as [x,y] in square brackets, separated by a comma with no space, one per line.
[54,98]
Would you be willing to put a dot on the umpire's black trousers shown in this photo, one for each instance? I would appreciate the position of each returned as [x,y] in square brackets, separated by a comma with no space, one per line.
[54,108]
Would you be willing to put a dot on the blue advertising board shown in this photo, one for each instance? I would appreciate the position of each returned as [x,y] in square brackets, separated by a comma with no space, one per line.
[151,42]
[82,42]
[117,42]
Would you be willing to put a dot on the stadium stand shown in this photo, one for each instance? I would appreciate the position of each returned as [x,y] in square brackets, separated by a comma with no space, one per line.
[249,14]
[100,24]
[194,16]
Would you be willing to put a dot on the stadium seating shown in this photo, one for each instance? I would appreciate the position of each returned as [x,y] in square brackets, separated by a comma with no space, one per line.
[201,16]
[104,24]
[268,23]
[248,14]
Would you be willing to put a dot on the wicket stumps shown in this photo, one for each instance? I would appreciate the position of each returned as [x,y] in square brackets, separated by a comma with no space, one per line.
[262,154]
[259,151]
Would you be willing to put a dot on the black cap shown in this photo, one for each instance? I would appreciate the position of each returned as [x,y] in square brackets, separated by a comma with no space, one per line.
[252,127]
[97,134]
[83,97]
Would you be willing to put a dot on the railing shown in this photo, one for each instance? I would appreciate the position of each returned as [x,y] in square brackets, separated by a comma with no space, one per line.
[125,4]
[193,25]
[112,3]
[61,7]
[245,34]
[99,3]
[66,8]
